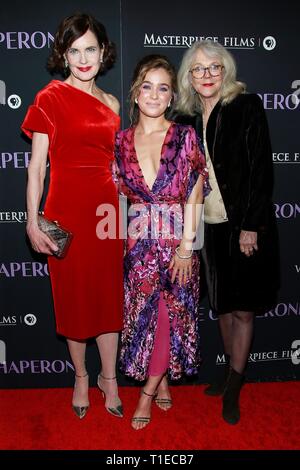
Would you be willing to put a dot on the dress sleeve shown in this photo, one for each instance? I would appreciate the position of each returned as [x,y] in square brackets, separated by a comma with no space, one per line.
[197,164]
[38,118]
[260,184]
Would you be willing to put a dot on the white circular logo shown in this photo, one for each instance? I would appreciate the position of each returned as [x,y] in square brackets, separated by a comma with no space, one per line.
[30,319]
[269,43]
[296,354]
[14,101]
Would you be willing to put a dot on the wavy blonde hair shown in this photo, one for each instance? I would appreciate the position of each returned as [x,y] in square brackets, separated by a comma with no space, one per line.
[190,102]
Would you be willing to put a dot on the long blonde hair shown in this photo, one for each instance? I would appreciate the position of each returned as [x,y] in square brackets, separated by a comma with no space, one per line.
[189,102]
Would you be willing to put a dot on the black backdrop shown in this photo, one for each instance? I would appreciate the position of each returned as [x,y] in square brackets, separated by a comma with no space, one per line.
[264,41]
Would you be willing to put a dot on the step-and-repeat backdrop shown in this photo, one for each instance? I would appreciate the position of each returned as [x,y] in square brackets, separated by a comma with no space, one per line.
[264,40]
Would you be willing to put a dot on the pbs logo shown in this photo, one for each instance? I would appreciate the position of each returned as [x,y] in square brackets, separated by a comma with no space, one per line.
[269,43]
[30,319]
[13,101]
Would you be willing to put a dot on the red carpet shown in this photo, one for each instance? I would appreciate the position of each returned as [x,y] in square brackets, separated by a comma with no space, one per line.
[43,419]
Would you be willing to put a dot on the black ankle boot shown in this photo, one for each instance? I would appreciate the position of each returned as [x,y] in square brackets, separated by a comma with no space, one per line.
[231,409]
[218,386]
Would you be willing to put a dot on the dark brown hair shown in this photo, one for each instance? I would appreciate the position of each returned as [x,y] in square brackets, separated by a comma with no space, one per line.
[72,28]
[149,62]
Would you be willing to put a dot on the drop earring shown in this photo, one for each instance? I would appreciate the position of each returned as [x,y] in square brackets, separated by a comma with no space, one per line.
[66,64]
[102,54]
[136,100]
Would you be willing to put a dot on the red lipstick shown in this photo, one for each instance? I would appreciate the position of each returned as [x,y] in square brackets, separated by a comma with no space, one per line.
[84,69]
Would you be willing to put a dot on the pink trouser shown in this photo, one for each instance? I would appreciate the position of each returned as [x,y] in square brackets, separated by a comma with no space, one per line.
[159,362]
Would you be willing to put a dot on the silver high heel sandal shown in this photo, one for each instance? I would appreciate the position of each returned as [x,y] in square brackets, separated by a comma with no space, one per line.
[117,410]
[80,411]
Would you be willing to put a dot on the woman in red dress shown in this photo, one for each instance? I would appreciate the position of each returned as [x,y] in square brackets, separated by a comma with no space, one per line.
[75,122]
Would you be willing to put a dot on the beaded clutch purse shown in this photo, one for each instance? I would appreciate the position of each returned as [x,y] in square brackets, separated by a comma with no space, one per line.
[57,234]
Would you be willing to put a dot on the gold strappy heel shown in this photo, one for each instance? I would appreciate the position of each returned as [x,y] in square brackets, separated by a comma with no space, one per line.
[117,410]
[164,403]
[142,419]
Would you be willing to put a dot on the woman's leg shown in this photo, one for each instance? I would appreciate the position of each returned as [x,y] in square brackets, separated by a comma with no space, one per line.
[80,400]
[163,398]
[217,387]
[160,357]
[108,347]
[142,413]
[156,384]
[242,334]
[225,325]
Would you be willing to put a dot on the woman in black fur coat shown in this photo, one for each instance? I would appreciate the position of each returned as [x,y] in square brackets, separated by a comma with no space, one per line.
[240,251]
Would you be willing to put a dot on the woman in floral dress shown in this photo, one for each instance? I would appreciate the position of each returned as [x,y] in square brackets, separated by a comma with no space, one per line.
[159,168]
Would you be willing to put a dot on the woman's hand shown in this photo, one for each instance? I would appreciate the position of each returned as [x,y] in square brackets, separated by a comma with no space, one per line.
[181,267]
[248,242]
[40,242]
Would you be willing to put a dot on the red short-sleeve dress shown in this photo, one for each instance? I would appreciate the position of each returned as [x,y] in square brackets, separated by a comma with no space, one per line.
[87,283]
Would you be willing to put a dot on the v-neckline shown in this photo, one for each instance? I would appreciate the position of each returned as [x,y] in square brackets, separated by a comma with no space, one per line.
[160,159]
[88,94]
